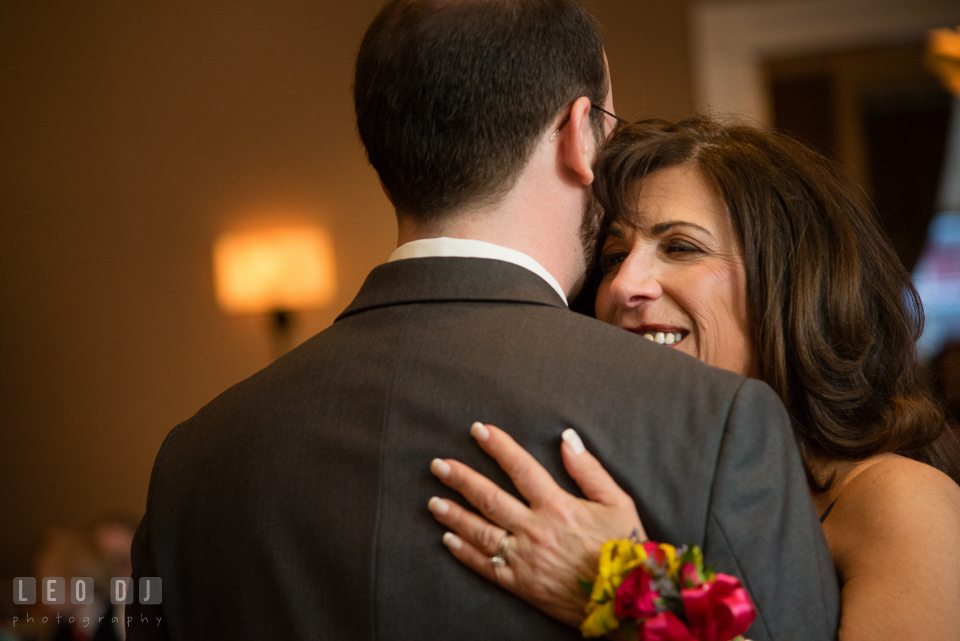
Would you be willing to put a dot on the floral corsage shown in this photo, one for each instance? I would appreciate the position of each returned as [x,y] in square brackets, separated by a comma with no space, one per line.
[656,592]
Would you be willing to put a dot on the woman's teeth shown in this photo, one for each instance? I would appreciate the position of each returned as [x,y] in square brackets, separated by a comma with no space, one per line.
[664,338]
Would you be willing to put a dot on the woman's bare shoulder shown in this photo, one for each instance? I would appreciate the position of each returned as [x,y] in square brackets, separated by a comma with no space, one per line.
[894,539]
[892,487]
[890,503]
[893,500]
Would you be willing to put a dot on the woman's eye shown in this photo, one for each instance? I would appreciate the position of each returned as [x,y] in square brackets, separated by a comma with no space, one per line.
[610,260]
[677,246]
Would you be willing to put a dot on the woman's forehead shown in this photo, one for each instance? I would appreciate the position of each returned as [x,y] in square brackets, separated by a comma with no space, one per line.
[681,191]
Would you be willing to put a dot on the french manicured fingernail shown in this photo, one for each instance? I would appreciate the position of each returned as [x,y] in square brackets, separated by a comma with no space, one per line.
[452,541]
[438,506]
[479,432]
[439,468]
[573,440]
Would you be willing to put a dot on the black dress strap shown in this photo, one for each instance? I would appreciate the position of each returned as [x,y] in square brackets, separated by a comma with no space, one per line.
[824,516]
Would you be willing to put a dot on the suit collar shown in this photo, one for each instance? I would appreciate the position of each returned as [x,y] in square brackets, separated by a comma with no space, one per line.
[472,248]
[423,280]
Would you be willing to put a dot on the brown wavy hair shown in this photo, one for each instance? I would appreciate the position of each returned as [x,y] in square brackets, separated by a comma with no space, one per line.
[833,312]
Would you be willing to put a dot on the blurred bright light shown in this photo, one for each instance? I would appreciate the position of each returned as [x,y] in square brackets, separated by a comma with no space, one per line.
[937,278]
[270,270]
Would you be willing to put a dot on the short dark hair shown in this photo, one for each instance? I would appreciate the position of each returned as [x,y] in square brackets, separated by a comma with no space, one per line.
[834,314]
[451,97]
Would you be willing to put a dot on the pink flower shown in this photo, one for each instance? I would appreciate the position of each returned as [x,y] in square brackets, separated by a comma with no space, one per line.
[719,610]
[654,552]
[665,627]
[716,611]
[689,578]
[634,599]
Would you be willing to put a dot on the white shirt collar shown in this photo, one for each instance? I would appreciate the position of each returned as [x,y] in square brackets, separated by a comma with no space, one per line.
[465,248]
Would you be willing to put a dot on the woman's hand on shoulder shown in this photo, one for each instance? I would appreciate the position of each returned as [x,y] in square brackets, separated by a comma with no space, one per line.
[550,543]
[895,536]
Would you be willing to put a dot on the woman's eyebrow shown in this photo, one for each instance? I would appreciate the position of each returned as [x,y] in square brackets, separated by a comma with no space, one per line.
[617,232]
[662,228]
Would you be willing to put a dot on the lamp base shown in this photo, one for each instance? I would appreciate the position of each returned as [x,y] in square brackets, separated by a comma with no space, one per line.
[281,326]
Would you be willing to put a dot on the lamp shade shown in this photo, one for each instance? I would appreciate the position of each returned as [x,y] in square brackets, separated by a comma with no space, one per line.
[284,269]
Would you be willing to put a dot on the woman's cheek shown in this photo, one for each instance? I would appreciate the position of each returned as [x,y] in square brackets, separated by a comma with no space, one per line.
[714,300]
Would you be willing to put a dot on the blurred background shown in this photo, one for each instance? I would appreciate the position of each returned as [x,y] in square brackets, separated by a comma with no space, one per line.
[133,134]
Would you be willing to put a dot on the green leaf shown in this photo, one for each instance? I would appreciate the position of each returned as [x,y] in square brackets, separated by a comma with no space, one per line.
[675,604]
[630,629]
[709,573]
[697,557]
[586,586]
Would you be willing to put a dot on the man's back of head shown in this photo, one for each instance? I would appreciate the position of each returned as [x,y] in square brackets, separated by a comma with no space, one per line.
[452,96]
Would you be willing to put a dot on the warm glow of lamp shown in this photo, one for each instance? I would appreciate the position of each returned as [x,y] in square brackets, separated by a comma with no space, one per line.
[943,56]
[274,270]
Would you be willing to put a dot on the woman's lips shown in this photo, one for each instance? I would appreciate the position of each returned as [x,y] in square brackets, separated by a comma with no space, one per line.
[662,334]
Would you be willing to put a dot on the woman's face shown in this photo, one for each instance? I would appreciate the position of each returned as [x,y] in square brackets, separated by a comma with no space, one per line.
[678,277]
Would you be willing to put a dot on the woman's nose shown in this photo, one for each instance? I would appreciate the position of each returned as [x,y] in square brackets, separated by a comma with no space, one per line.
[636,282]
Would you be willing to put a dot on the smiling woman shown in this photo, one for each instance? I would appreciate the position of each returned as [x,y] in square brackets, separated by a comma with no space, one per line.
[674,273]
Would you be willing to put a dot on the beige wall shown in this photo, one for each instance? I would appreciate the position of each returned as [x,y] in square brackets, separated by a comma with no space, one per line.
[646,43]
[130,134]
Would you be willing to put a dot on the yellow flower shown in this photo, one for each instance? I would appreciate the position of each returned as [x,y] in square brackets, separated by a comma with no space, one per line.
[600,620]
[673,563]
[617,558]
[639,556]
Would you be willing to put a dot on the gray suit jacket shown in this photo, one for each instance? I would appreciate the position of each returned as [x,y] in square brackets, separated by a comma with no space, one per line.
[293,506]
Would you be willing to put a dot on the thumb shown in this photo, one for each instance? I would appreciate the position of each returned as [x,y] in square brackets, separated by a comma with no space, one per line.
[596,484]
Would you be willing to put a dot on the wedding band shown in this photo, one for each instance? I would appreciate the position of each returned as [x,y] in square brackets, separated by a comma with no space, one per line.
[501,559]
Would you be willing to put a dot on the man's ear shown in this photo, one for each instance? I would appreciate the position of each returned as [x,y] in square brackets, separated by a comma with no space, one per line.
[579,147]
